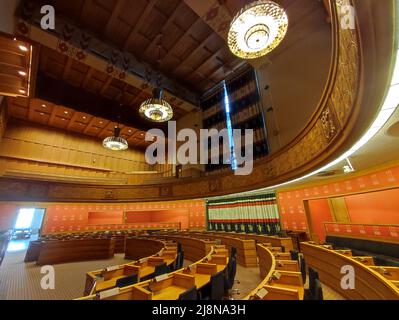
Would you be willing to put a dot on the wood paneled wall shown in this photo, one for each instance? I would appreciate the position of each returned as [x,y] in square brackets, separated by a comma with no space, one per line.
[34,151]
[3,117]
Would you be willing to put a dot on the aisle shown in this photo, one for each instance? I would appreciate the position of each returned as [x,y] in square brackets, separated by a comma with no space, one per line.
[21,281]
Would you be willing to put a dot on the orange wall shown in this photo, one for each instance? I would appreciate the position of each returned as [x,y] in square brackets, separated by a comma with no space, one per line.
[320,213]
[75,217]
[375,207]
[292,211]
[7,216]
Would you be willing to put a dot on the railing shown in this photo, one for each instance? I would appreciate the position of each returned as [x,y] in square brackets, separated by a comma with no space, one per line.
[125,226]
[388,232]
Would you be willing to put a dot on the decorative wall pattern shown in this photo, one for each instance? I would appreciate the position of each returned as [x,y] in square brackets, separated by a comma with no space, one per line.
[379,232]
[75,217]
[292,210]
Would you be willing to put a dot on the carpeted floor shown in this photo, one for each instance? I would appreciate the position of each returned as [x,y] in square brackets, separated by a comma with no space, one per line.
[21,281]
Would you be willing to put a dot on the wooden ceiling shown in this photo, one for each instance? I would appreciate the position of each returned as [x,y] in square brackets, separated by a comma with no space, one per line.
[61,117]
[58,66]
[15,63]
[192,53]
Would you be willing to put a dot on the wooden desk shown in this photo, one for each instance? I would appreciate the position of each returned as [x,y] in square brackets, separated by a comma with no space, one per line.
[62,251]
[137,248]
[194,248]
[197,274]
[289,286]
[369,284]
[106,280]
[273,240]
[246,250]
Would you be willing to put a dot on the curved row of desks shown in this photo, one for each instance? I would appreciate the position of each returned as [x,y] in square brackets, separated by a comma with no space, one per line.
[281,277]
[62,251]
[170,286]
[194,249]
[246,250]
[119,236]
[273,240]
[370,282]
[148,252]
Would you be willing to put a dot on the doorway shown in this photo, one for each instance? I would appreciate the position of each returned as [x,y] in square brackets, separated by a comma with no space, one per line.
[27,227]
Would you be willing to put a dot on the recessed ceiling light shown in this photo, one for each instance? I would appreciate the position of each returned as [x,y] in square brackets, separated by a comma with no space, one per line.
[23,48]
[66,112]
[41,113]
[63,119]
[130,131]
[84,117]
[44,106]
[22,73]
[100,122]
[22,91]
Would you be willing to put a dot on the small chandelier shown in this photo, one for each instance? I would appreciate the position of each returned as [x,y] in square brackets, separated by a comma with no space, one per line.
[115,143]
[156,109]
[257,29]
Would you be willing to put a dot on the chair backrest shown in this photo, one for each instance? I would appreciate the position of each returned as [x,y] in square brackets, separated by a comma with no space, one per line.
[126,281]
[313,275]
[318,290]
[161,269]
[302,265]
[217,286]
[181,259]
[190,294]
[231,272]
[294,255]
[233,252]
[177,261]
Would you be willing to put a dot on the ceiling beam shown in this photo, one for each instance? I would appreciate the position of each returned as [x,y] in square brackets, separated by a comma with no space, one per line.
[105,130]
[206,61]
[30,110]
[52,116]
[120,4]
[105,85]
[89,125]
[67,68]
[181,39]
[85,10]
[72,120]
[166,25]
[139,23]
[201,46]
[87,78]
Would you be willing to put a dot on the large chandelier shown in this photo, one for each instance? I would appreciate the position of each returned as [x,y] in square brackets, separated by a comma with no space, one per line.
[156,109]
[257,29]
[115,143]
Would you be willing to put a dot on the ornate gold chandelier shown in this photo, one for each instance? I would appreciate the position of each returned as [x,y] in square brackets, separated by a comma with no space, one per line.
[156,109]
[257,29]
